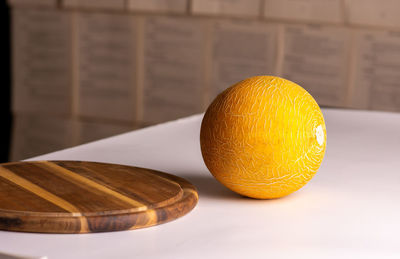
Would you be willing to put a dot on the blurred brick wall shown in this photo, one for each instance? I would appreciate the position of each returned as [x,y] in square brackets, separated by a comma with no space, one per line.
[88,69]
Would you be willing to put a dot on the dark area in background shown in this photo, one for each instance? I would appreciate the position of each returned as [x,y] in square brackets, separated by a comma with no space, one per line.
[5,110]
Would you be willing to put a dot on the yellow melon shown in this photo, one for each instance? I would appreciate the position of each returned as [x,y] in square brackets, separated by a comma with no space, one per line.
[263,137]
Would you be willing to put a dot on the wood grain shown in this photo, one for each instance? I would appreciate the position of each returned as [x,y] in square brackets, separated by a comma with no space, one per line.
[82,197]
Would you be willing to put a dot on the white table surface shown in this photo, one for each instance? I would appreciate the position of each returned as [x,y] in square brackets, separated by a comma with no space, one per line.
[350,209]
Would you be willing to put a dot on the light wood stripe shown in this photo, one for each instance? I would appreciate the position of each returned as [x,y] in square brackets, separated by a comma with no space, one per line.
[191,191]
[39,191]
[139,206]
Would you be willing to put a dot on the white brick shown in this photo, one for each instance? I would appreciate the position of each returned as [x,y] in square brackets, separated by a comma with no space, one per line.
[317,58]
[373,12]
[107,68]
[168,6]
[248,8]
[95,4]
[305,10]
[42,67]
[173,68]
[34,135]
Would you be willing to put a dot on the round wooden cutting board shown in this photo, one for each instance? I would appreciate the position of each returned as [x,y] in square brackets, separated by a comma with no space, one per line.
[82,197]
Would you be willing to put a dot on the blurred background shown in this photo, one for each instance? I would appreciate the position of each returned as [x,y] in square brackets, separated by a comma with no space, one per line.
[81,70]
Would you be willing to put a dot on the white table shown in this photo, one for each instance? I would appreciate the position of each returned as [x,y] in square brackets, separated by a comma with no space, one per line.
[350,209]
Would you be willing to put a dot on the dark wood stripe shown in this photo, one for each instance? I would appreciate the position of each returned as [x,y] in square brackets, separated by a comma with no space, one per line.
[12,222]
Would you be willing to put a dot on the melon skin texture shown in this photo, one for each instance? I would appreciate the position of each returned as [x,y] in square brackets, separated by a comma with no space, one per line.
[264,137]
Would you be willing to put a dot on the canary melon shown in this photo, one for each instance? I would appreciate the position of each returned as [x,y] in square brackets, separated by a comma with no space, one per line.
[263,137]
